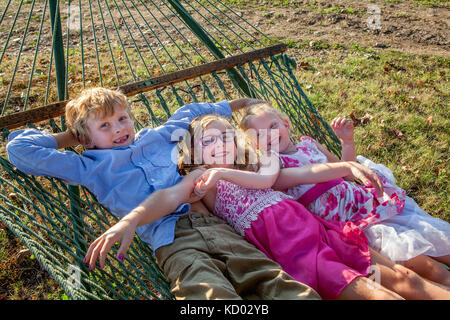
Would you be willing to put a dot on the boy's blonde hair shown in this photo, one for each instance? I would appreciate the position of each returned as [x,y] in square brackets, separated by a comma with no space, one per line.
[258,109]
[186,155]
[97,101]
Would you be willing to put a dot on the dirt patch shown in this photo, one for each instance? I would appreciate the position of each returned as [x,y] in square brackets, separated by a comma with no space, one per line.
[404,26]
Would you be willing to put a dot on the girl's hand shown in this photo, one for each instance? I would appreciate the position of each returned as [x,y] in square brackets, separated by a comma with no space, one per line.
[207,180]
[366,176]
[122,232]
[343,129]
[187,185]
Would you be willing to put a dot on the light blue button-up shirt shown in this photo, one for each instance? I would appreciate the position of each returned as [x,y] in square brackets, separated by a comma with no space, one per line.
[121,178]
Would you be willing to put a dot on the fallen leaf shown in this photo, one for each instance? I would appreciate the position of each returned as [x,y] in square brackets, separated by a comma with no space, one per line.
[304,65]
[355,121]
[366,118]
[397,132]
[429,119]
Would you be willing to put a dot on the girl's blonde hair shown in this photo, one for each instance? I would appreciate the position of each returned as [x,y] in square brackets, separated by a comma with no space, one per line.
[97,101]
[187,160]
[258,109]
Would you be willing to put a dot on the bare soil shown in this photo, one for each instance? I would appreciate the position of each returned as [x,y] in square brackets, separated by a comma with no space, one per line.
[404,26]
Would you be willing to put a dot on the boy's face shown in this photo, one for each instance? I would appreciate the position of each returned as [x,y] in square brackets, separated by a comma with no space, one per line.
[111,131]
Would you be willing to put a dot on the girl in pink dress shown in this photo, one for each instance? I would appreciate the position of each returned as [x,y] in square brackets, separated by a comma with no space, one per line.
[394,224]
[330,256]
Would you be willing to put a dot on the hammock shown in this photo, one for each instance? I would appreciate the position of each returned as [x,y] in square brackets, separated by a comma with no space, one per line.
[162,54]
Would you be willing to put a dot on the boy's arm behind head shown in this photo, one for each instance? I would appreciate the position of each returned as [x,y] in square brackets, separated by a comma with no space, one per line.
[36,153]
[178,124]
[65,139]
[241,103]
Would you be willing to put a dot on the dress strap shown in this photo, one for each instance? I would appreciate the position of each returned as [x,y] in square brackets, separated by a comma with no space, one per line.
[317,190]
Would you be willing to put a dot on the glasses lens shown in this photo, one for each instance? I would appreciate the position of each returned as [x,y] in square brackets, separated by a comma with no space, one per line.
[208,140]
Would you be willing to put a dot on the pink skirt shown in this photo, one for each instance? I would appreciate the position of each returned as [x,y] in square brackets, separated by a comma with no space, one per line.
[326,255]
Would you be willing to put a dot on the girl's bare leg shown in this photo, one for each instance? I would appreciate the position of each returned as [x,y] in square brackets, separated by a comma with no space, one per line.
[406,282]
[444,259]
[363,288]
[429,268]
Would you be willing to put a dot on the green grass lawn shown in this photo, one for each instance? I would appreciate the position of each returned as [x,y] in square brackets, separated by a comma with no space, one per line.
[400,102]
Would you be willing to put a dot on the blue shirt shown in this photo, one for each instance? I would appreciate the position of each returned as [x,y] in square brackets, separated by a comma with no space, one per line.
[121,178]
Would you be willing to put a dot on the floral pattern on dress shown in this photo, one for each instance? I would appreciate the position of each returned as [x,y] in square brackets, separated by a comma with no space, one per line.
[240,206]
[346,201]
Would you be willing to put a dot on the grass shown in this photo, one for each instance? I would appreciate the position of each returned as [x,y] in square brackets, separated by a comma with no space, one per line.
[21,276]
[397,91]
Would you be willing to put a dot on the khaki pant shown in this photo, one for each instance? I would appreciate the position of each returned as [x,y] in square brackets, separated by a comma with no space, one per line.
[209,260]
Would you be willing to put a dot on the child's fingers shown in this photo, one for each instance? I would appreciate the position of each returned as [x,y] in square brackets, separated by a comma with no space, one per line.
[198,190]
[333,122]
[341,122]
[210,179]
[104,249]
[375,181]
[94,253]
[87,257]
[126,242]
[378,186]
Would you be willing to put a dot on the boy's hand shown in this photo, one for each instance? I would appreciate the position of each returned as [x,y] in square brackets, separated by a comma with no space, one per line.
[343,129]
[122,232]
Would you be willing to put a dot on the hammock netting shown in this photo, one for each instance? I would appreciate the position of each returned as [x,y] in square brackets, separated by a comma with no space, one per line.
[52,50]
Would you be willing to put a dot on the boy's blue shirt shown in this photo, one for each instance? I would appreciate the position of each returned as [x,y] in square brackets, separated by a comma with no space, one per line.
[121,178]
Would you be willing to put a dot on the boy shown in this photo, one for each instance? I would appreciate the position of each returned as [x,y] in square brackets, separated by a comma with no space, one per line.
[202,257]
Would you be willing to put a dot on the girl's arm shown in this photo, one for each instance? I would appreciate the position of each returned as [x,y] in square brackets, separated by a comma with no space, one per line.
[159,204]
[323,172]
[264,178]
[240,103]
[344,130]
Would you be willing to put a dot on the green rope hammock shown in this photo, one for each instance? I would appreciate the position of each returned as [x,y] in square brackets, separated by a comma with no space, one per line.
[118,43]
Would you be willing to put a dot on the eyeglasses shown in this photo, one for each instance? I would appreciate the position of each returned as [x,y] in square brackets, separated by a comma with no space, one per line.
[212,139]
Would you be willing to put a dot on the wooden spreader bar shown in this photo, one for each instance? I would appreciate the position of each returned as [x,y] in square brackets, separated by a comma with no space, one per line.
[57,109]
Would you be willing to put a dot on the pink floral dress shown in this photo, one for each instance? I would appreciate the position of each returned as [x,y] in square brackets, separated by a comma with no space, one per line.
[344,201]
[326,255]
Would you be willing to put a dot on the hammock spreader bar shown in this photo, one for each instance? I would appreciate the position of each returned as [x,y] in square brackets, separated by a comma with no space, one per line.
[18,119]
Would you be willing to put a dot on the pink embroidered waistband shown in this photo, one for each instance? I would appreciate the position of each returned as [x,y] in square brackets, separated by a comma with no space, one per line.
[317,190]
